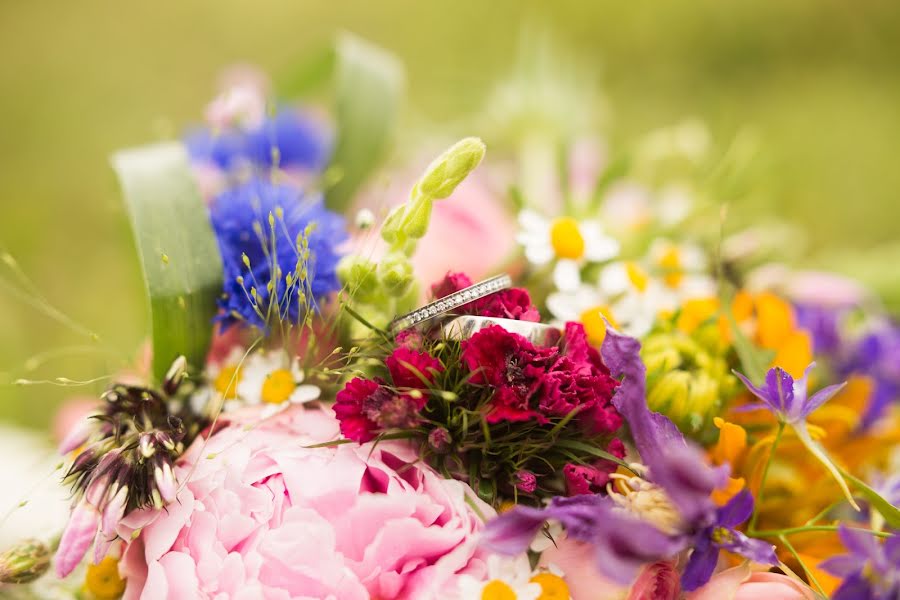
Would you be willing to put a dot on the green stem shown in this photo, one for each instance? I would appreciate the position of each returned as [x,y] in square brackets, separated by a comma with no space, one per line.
[794,530]
[765,475]
[809,573]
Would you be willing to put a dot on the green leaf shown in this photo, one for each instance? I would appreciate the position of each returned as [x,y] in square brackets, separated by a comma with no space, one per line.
[587,448]
[368,90]
[177,248]
[890,512]
[367,86]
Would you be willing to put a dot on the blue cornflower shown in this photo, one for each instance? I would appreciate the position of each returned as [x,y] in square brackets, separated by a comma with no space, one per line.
[252,219]
[871,571]
[301,142]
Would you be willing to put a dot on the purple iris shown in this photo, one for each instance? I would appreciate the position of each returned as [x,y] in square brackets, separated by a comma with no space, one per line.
[788,398]
[871,571]
[876,355]
[622,542]
[721,535]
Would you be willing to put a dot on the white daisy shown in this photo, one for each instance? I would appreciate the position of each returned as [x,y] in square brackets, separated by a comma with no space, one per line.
[271,378]
[508,578]
[632,295]
[568,242]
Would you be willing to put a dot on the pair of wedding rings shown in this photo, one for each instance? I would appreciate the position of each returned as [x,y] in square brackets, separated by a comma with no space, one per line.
[461,327]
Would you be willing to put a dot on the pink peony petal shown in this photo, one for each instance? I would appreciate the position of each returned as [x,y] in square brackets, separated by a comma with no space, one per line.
[77,537]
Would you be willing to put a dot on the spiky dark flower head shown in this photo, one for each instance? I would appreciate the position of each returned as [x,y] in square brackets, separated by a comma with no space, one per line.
[125,460]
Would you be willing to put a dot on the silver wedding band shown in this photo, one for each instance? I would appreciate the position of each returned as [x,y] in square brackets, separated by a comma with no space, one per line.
[539,334]
[451,302]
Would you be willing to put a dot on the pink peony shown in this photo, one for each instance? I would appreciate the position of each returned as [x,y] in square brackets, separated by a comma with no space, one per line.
[263,516]
[740,583]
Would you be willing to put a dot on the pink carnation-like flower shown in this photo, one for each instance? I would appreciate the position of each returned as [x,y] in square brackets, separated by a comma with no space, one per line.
[592,479]
[513,303]
[263,516]
[366,406]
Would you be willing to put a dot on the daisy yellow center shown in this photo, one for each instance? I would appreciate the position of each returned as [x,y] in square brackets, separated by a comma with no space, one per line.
[497,590]
[102,580]
[670,263]
[594,325]
[278,386]
[553,587]
[227,380]
[637,276]
[566,238]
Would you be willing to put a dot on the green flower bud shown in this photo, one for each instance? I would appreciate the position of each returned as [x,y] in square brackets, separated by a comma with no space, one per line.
[686,381]
[390,231]
[417,217]
[358,275]
[395,274]
[450,168]
[25,562]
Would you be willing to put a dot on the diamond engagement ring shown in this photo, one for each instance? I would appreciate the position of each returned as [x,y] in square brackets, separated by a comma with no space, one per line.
[539,334]
[451,302]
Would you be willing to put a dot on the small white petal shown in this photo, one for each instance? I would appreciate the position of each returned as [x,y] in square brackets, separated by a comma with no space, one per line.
[305,393]
[567,275]
[539,254]
[614,279]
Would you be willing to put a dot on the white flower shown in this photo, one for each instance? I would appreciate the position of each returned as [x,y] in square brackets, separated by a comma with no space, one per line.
[568,242]
[632,295]
[270,378]
[507,578]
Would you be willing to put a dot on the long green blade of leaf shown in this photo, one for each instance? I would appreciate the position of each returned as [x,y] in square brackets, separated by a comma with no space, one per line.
[368,90]
[177,248]
[887,510]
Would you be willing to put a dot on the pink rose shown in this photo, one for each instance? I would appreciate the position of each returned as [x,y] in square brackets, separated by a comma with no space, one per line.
[740,583]
[263,516]
[577,561]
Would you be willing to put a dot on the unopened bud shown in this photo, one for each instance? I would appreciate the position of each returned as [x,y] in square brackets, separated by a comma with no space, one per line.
[146,445]
[358,275]
[439,440]
[395,273]
[451,167]
[24,562]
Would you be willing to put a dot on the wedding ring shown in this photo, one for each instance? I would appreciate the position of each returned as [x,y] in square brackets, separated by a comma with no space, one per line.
[539,334]
[451,302]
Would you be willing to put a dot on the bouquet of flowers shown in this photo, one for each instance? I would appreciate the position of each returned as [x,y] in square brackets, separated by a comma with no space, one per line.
[555,377]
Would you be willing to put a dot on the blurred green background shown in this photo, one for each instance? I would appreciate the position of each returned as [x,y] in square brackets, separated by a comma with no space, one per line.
[818,80]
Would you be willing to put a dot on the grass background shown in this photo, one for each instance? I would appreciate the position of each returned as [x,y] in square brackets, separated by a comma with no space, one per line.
[818,80]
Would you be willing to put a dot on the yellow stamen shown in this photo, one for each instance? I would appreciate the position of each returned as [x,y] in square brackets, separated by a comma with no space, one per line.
[278,386]
[670,263]
[497,590]
[227,380]
[566,238]
[553,587]
[506,505]
[594,325]
[637,276]
[102,581]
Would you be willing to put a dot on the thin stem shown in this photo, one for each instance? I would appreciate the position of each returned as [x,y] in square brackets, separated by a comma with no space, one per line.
[793,530]
[765,475]
[824,512]
[809,573]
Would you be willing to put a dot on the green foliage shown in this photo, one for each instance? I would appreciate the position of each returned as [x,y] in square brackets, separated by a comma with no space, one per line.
[177,248]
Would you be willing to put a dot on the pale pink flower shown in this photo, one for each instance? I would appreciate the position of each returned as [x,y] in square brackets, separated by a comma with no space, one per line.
[741,583]
[578,563]
[261,515]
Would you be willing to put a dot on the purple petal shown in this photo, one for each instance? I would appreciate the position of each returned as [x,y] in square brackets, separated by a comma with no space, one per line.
[512,532]
[758,392]
[859,542]
[892,550]
[700,567]
[855,587]
[629,544]
[736,511]
[756,550]
[843,565]
[676,466]
[780,389]
[682,471]
[820,398]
